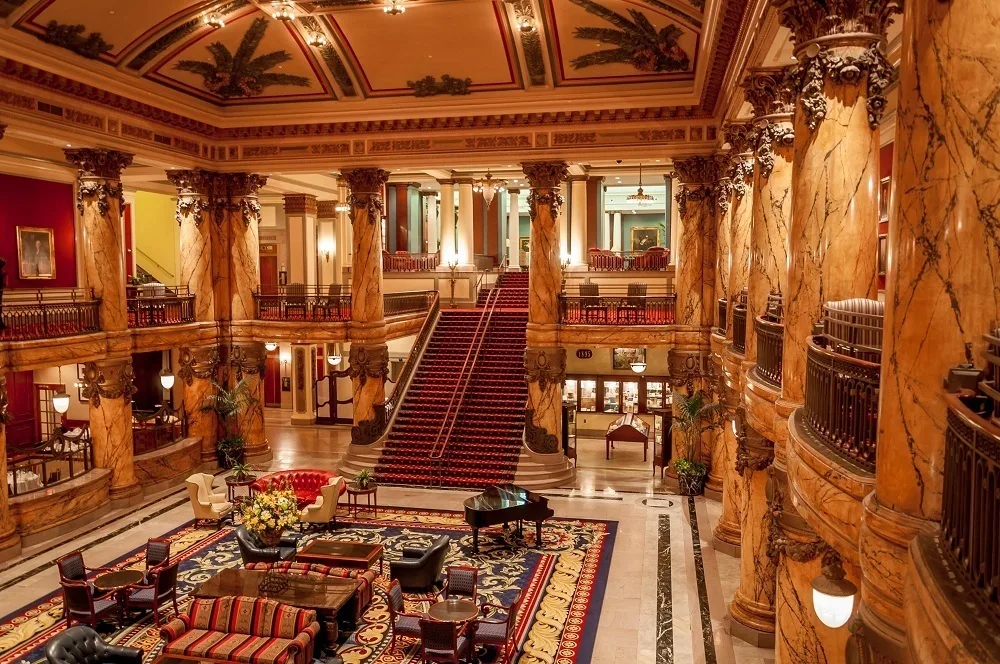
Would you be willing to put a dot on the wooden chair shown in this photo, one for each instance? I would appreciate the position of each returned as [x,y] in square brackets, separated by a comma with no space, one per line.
[161,589]
[79,604]
[498,631]
[157,553]
[460,582]
[443,642]
[329,308]
[295,300]
[590,303]
[72,568]
[403,623]
[633,310]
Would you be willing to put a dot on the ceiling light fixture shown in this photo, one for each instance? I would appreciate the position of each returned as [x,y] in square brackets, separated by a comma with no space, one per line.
[283,11]
[270,346]
[393,7]
[489,187]
[640,198]
[318,40]
[60,400]
[215,20]
[525,24]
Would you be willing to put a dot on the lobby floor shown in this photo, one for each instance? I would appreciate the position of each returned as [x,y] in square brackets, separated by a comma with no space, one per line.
[667,592]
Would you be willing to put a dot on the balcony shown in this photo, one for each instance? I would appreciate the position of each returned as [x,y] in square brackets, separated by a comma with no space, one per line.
[770,341]
[155,305]
[634,306]
[410,302]
[842,380]
[48,313]
[740,323]
[722,316]
[404,261]
[64,456]
[298,302]
[603,260]
[157,429]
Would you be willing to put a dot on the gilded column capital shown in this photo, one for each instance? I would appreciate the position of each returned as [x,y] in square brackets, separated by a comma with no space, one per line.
[741,136]
[108,380]
[545,366]
[237,193]
[368,361]
[99,176]
[201,362]
[366,192]
[247,359]
[545,174]
[300,204]
[699,179]
[194,189]
[769,92]
[810,20]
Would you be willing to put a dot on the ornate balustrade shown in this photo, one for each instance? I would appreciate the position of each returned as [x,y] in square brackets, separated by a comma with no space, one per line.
[154,305]
[722,315]
[770,341]
[157,429]
[842,380]
[297,302]
[740,323]
[404,261]
[48,313]
[633,307]
[409,302]
[603,260]
[59,459]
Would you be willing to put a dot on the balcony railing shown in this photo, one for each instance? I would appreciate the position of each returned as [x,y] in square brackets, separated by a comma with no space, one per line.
[842,380]
[404,261]
[770,341]
[740,323]
[59,459]
[48,313]
[298,302]
[154,305]
[634,307]
[409,302]
[157,429]
[602,260]
[722,315]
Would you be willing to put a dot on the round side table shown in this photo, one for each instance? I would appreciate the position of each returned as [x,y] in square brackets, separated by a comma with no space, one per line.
[233,485]
[354,490]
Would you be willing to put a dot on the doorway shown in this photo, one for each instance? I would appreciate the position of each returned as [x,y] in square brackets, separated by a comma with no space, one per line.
[272,380]
[21,409]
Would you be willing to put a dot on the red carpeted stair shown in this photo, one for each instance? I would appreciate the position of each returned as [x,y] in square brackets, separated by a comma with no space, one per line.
[485,440]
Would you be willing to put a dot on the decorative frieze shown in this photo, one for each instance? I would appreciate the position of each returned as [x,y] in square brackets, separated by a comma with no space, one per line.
[368,361]
[201,363]
[429,86]
[545,366]
[366,192]
[112,380]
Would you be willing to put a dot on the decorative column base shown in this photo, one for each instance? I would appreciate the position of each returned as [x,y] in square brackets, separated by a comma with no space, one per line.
[368,369]
[544,371]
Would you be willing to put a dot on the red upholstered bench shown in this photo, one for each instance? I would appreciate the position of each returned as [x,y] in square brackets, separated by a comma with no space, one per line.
[305,483]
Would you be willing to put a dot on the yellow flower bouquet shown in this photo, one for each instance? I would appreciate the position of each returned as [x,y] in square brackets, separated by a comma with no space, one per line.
[270,513]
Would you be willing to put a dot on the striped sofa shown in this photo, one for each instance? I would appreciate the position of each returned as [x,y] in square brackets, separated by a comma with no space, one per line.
[242,629]
[367,578]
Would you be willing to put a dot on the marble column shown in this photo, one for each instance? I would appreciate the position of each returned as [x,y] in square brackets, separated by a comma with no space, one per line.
[369,356]
[513,230]
[697,204]
[108,386]
[839,79]
[300,216]
[942,289]
[246,363]
[345,241]
[449,248]
[194,194]
[578,220]
[10,541]
[303,384]
[429,200]
[330,271]
[100,202]
[465,233]
[198,368]
[563,221]
[544,361]
[241,215]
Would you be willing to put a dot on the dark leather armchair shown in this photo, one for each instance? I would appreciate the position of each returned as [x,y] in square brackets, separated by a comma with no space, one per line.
[82,645]
[420,568]
[253,552]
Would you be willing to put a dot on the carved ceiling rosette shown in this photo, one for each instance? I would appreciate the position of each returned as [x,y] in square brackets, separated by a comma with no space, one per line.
[366,192]
[194,188]
[112,380]
[247,359]
[199,363]
[368,362]
[839,39]
[99,176]
[545,178]
[545,366]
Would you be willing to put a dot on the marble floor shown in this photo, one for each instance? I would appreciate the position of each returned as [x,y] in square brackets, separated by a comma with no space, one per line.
[667,592]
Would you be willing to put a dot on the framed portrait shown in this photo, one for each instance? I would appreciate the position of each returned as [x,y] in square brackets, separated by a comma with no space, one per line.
[286,383]
[644,237]
[35,253]
[884,186]
[525,245]
[883,248]
[621,358]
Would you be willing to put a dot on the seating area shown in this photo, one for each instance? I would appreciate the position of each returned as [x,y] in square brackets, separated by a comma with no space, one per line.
[306,484]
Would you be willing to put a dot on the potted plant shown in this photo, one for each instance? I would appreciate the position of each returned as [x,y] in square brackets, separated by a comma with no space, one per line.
[242,472]
[693,416]
[228,405]
[365,479]
[269,513]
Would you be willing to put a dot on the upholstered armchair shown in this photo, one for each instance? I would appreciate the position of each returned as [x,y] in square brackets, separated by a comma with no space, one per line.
[420,568]
[443,642]
[207,503]
[323,510]
[253,552]
[497,628]
[460,582]
[82,645]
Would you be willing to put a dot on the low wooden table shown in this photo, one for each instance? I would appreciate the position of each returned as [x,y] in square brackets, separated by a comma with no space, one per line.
[233,484]
[326,595]
[119,583]
[453,610]
[337,553]
[354,490]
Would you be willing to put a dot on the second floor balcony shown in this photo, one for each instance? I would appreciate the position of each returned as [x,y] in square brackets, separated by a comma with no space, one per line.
[48,313]
[638,304]
[770,331]
[404,261]
[604,260]
[329,304]
[740,323]
[64,456]
[155,305]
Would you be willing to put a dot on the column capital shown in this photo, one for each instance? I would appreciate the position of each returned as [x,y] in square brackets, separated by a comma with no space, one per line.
[99,162]
[240,185]
[545,174]
[769,92]
[300,204]
[513,191]
[326,209]
[577,178]
[193,190]
[247,359]
[701,169]
[810,20]
[368,361]
[366,192]
[741,137]
[428,194]
[111,379]
[201,362]
[447,181]
[465,181]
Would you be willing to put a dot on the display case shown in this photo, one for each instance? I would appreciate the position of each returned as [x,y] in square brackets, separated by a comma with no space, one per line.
[570,392]
[629,429]
[569,430]
[654,395]
[630,396]
[612,396]
[662,420]
[588,396]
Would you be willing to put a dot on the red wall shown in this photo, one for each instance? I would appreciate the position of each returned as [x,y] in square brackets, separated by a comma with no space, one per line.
[42,204]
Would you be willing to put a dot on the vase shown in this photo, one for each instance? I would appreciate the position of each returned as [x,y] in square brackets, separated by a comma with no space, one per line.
[269,537]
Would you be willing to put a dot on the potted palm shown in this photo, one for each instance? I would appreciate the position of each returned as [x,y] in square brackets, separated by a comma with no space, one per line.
[365,479]
[228,405]
[693,416]
[241,472]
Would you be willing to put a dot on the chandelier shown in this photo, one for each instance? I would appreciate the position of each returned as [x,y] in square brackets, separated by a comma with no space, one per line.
[393,7]
[215,20]
[640,199]
[282,11]
[489,187]
[317,40]
[525,24]
[342,206]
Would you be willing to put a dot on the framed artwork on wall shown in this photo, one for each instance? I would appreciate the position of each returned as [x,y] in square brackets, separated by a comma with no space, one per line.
[35,253]
[622,358]
[884,186]
[883,249]
[644,237]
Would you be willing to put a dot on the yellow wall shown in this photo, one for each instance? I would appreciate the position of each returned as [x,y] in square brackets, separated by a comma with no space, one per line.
[157,238]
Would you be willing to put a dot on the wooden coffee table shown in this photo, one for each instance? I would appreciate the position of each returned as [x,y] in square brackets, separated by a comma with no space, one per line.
[119,584]
[326,595]
[453,610]
[337,553]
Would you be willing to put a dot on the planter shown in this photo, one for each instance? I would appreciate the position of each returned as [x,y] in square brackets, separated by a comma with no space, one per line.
[690,485]
[269,537]
[228,458]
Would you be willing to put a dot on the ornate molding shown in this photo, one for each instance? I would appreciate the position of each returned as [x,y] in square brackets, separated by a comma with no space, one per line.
[545,174]
[247,359]
[111,380]
[194,187]
[201,363]
[770,137]
[366,192]
[74,37]
[686,366]
[754,452]
[810,20]
[545,366]
[99,176]
[538,439]
[741,174]
[429,86]
[301,204]
[367,432]
[368,362]
[778,542]
[769,91]
[871,68]
[724,194]
[700,169]
[741,136]
[695,193]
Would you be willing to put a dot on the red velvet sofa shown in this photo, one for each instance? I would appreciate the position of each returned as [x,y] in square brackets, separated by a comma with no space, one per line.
[305,483]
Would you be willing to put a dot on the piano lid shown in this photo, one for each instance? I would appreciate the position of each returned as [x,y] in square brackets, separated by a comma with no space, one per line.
[501,497]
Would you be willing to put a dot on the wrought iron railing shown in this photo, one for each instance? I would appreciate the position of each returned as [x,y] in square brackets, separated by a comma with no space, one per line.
[403,261]
[154,305]
[603,260]
[842,380]
[156,429]
[770,333]
[740,323]
[635,305]
[721,315]
[48,313]
[298,302]
[62,457]
[409,302]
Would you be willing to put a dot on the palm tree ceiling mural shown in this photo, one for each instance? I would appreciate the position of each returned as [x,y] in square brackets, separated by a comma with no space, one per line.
[631,39]
[240,74]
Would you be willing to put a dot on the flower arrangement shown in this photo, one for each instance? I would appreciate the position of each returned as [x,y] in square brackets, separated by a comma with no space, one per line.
[269,513]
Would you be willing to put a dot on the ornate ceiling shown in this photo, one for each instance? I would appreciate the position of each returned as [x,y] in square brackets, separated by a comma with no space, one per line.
[350,59]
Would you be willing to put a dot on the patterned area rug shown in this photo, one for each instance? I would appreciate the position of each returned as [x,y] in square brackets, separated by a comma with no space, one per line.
[563,581]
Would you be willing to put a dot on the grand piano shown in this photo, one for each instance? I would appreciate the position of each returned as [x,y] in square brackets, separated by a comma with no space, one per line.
[505,503]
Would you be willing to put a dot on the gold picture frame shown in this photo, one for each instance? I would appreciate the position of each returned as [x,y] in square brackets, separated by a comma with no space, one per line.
[884,192]
[35,253]
[644,237]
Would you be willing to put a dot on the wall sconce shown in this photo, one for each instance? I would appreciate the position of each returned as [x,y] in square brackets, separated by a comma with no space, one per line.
[285,359]
[270,346]
[166,379]
[326,248]
[833,594]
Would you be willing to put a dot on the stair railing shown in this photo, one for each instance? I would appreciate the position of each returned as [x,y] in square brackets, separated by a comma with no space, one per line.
[464,378]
